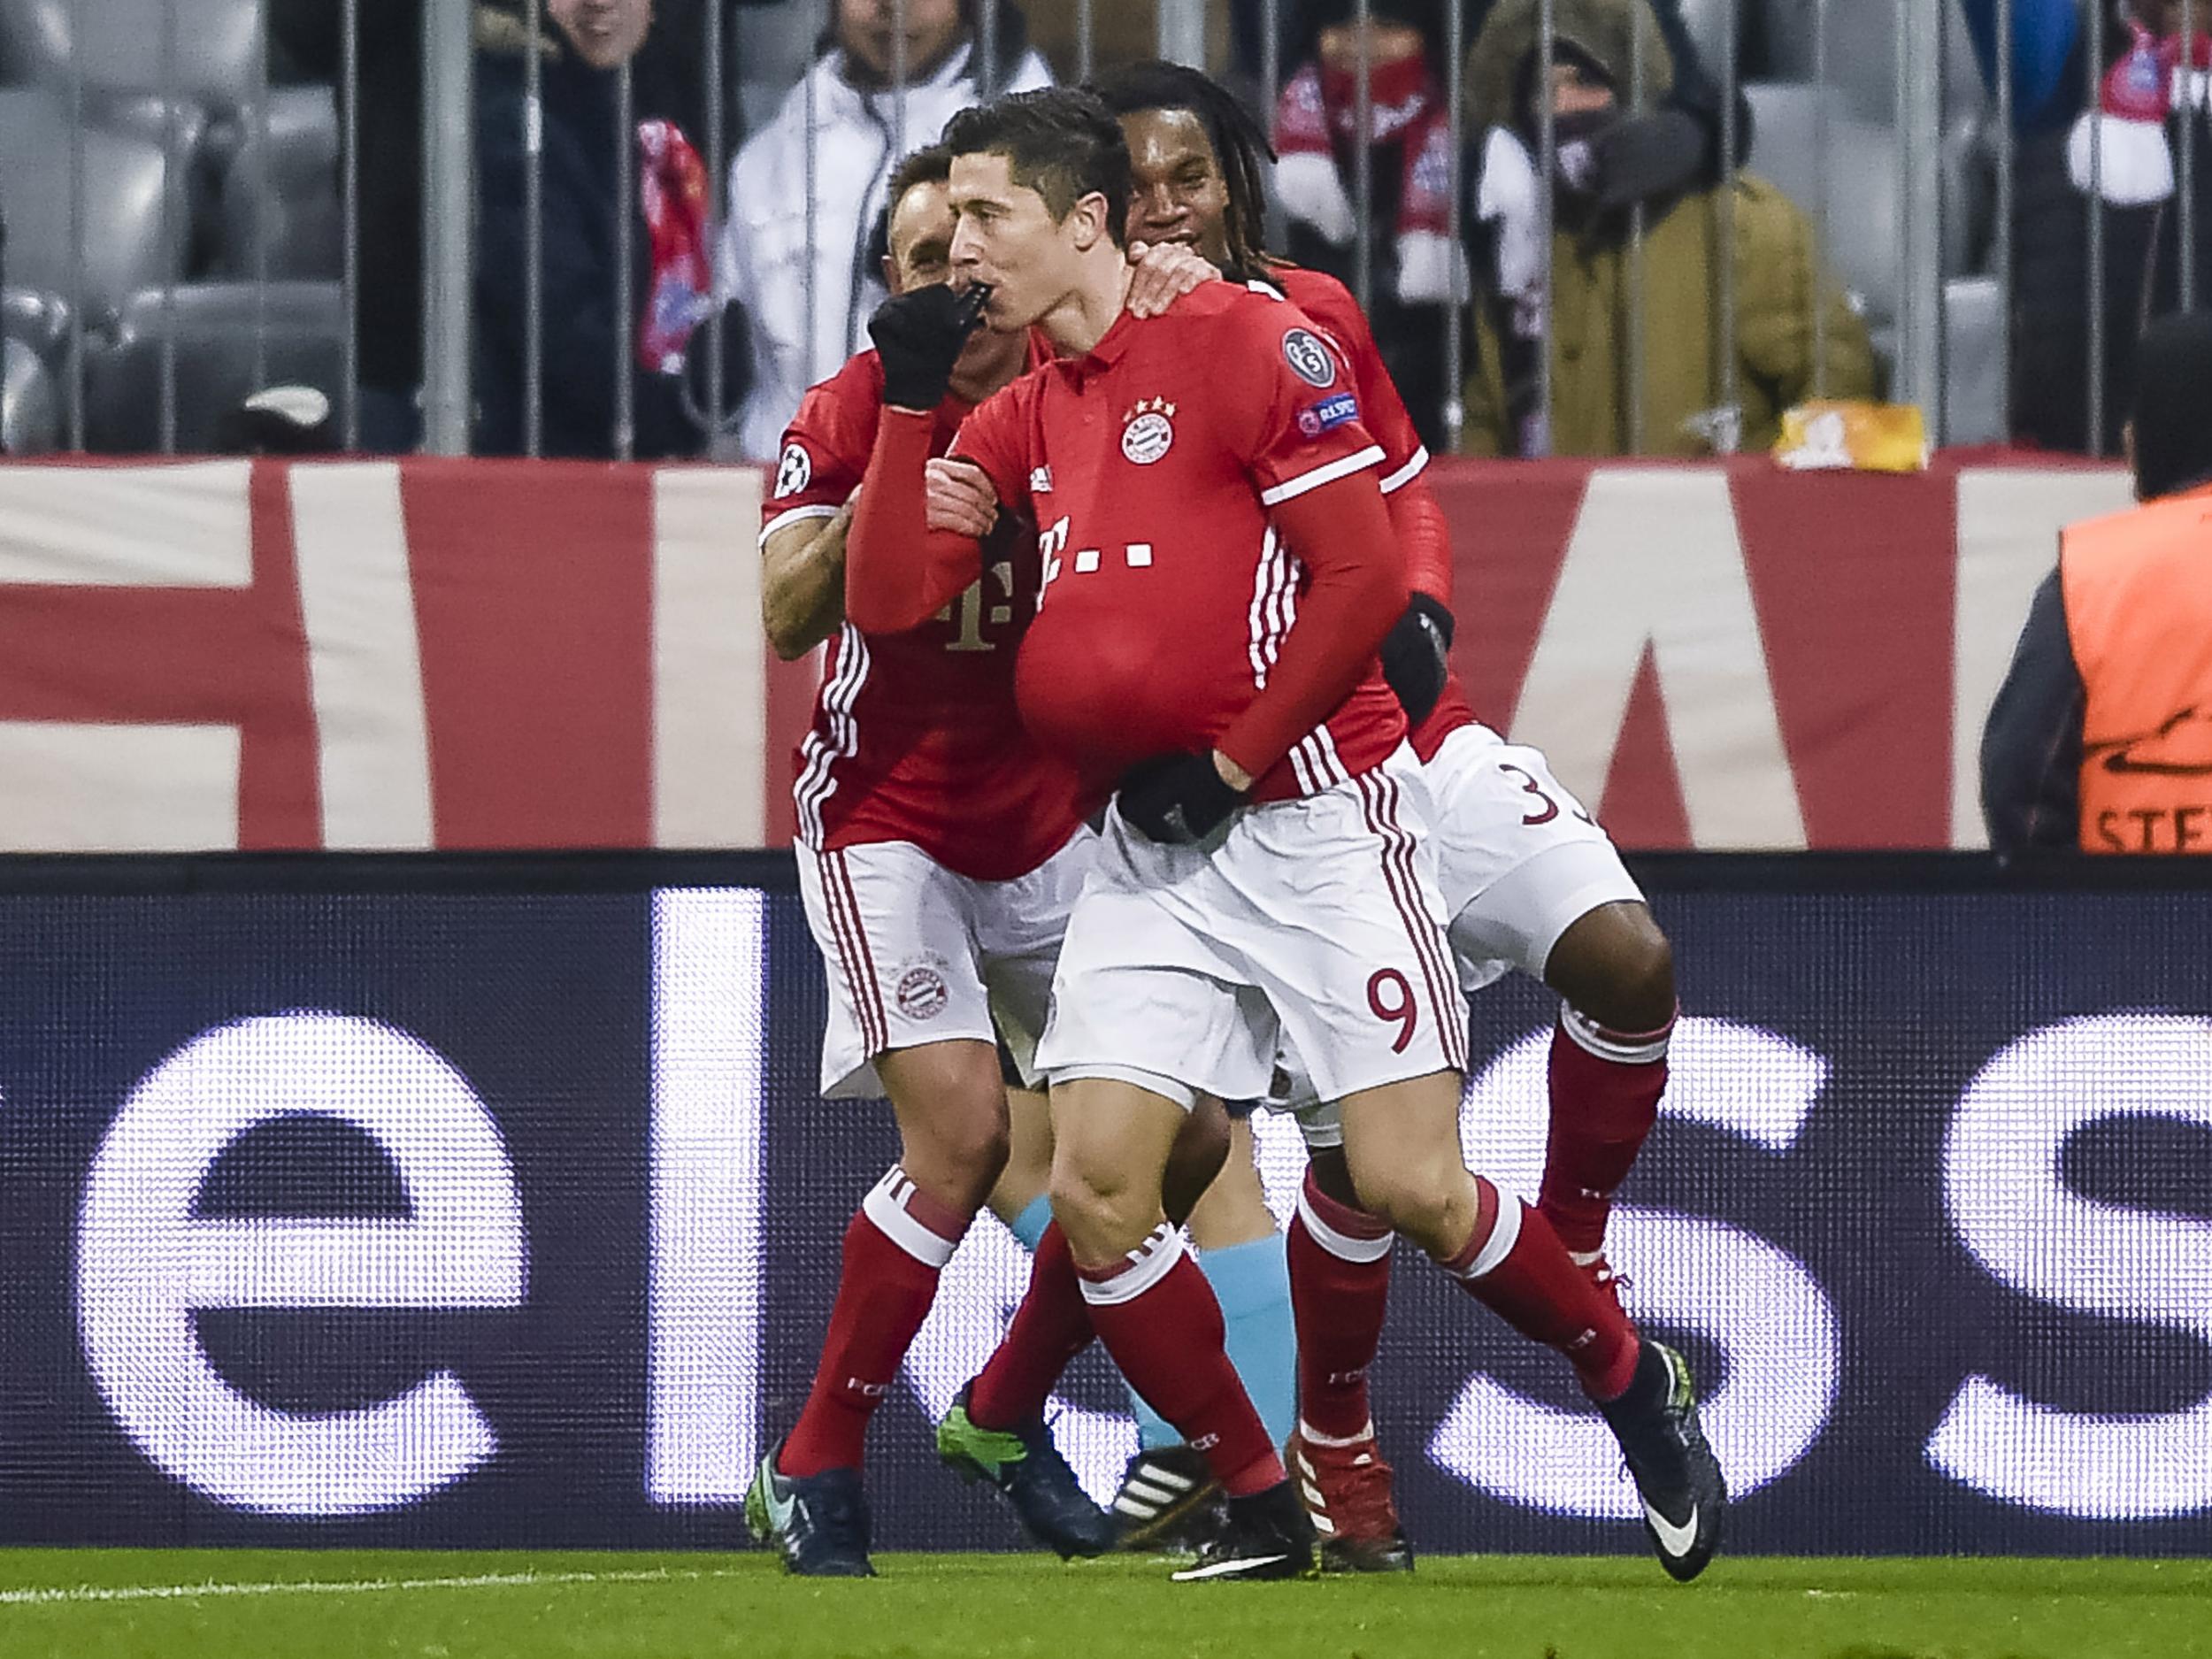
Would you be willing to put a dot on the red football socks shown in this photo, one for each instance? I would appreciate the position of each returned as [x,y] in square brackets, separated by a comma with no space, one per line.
[1340,1288]
[1605,1089]
[1052,1326]
[1514,1266]
[1157,1316]
[895,1247]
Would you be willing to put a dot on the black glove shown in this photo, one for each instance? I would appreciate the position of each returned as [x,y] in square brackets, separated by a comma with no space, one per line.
[918,335]
[1417,656]
[1176,799]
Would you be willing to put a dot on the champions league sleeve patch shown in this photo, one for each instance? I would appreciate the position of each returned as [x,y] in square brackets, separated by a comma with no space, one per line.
[794,472]
[1308,358]
[1328,414]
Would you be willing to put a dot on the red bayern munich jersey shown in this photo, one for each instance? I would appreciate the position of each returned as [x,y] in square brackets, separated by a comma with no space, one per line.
[1150,465]
[1405,459]
[915,736]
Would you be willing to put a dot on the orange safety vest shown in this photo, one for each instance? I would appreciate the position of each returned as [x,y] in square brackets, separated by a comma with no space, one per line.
[2139,610]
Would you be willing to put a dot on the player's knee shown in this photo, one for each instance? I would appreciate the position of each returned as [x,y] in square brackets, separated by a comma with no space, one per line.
[1627,983]
[1102,1213]
[1430,1208]
[1199,1151]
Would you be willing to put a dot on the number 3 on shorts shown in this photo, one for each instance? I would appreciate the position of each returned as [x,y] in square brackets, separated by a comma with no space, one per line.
[1529,786]
[1391,998]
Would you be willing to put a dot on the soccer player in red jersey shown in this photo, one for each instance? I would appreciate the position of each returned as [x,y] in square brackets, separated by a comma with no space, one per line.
[941,853]
[1529,878]
[1262,876]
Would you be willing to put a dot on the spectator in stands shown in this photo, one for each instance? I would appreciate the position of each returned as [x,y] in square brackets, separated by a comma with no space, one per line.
[2101,738]
[388,154]
[779,248]
[1605,162]
[1419,275]
[2125,154]
[583,333]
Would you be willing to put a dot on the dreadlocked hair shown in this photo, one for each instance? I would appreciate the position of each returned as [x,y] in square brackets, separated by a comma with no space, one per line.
[1241,143]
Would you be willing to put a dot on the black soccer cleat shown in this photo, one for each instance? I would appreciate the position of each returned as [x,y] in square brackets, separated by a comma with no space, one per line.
[1169,1500]
[1264,1536]
[1677,1475]
[819,1522]
[1025,1465]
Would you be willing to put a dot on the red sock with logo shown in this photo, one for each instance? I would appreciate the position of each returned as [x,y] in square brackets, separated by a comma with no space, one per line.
[1157,1316]
[1340,1289]
[1514,1266]
[1052,1326]
[1605,1089]
[895,1247]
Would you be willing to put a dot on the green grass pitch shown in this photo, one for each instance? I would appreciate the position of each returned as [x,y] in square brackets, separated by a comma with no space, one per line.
[93,1604]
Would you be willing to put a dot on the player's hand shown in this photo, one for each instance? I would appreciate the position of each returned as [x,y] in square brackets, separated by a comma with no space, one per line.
[1164,273]
[918,335]
[1417,656]
[1179,800]
[962,498]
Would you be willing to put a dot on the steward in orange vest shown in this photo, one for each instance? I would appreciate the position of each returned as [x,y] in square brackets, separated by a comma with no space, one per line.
[2101,736]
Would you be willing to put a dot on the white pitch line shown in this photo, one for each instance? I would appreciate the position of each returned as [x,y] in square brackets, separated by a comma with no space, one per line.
[336,1586]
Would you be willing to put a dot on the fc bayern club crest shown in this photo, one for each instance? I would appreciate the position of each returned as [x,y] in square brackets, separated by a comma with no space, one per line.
[1308,358]
[1147,431]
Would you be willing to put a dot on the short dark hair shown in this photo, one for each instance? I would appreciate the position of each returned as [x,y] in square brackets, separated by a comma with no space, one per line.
[2173,405]
[1241,143]
[932,163]
[1062,142]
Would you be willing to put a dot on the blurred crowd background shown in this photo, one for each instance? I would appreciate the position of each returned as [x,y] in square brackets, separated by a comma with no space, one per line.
[215,210]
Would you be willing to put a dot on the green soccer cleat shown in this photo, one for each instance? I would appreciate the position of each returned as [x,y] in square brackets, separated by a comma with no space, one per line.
[1025,1465]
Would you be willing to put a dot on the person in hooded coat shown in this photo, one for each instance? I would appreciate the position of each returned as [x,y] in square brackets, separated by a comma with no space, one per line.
[1610,159]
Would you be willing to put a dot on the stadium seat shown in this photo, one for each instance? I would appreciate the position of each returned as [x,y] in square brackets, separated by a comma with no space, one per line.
[293,211]
[211,52]
[127,247]
[34,355]
[303,327]
[1974,347]
[30,401]
[1863,54]
[1862,235]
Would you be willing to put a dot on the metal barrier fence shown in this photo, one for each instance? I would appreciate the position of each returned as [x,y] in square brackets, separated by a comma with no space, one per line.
[191,223]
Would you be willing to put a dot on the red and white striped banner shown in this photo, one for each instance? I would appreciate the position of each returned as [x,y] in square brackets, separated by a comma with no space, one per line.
[465,654]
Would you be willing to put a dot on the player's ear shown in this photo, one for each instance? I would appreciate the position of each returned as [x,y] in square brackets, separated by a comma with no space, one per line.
[1090,221]
[890,273]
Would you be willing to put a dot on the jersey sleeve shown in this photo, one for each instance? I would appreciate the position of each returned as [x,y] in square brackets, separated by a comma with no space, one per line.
[996,436]
[823,457]
[1287,404]
[1382,410]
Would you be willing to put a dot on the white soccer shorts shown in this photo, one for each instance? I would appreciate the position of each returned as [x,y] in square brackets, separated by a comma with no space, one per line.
[1519,861]
[915,954]
[1317,921]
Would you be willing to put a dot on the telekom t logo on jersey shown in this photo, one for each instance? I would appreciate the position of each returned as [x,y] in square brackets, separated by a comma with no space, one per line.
[1052,546]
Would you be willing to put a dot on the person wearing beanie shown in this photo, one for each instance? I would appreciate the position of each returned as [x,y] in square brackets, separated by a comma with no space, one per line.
[2101,738]
[1612,155]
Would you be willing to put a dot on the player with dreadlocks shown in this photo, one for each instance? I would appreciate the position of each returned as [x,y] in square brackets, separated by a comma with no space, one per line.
[1530,879]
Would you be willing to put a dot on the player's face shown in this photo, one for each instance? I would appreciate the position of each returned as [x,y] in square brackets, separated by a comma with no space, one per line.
[921,252]
[606,34]
[869,30]
[921,238]
[1006,236]
[1181,194]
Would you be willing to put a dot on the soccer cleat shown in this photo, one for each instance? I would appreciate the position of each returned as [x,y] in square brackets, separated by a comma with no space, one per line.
[819,1522]
[1677,1475]
[1169,1498]
[1264,1536]
[1025,1465]
[1347,1494]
